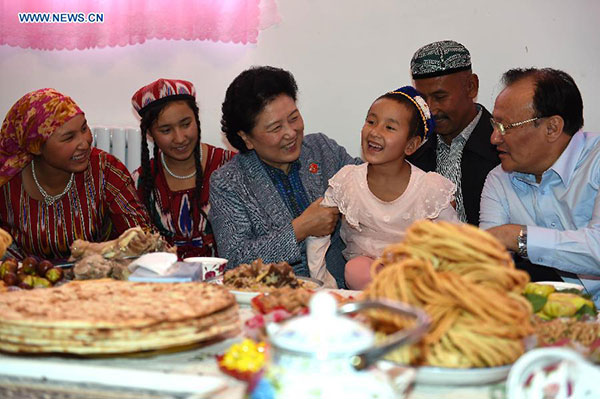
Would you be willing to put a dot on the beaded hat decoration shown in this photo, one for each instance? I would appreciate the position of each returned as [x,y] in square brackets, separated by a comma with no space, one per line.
[440,58]
[161,91]
[27,126]
[419,102]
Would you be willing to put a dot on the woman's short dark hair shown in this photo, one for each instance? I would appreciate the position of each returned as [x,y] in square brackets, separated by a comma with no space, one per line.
[247,96]
[415,126]
[555,94]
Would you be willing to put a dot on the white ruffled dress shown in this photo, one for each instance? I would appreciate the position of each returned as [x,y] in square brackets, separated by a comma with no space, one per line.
[370,224]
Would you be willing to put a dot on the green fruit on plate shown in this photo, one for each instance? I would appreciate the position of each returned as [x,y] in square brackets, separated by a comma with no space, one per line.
[28,280]
[539,289]
[40,282]
[558,307]
[54,274]
[10,278]
[29,265]
[43,267]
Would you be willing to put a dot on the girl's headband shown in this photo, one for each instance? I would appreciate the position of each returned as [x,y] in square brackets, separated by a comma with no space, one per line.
[415,97]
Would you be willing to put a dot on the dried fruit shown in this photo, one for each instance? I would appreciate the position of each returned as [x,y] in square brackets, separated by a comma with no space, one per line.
[54,274]
[43,267]
[10,278]
[21,276]
[3,270]
[9,265]
[28,280]
[40,282]
[29,265]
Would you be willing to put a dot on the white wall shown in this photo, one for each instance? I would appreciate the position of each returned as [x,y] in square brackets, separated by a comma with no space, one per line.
[343,53]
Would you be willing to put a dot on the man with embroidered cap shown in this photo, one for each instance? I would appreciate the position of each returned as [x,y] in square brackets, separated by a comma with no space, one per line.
[543,201]
[460,150]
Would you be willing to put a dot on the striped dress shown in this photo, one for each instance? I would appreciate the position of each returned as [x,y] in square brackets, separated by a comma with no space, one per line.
[189,231]
[101,204]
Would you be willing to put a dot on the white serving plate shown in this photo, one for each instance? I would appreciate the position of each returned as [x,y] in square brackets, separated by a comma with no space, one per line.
[448,376]
[202,386]
[561,285]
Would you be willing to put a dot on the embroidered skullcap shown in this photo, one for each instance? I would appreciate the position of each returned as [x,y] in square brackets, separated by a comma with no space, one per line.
[27,126]
[161,91]
[419,102]
[440,58]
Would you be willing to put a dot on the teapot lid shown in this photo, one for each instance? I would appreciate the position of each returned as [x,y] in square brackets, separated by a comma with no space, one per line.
[322,333]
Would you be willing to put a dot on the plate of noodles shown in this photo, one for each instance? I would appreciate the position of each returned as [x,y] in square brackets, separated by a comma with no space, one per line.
[467,282]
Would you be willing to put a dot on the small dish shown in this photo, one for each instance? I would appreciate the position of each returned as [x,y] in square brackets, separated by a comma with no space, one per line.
[207,260]
[245,297]
[210,267]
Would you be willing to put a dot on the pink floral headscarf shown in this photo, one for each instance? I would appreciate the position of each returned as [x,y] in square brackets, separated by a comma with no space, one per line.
[27,126]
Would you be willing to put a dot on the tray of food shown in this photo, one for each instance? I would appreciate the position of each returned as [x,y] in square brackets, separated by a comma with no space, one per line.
[248,280]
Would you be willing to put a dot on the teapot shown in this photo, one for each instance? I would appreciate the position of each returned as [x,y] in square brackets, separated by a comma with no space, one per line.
[328,355]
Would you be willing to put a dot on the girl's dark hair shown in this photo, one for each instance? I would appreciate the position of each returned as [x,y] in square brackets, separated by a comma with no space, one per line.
[246,97]
[148,175]
[416,125]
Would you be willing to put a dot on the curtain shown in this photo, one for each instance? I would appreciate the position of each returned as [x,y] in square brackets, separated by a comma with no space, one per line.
[82,24]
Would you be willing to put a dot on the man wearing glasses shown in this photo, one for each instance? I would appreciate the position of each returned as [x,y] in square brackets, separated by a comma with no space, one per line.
[542,202]
[460,150]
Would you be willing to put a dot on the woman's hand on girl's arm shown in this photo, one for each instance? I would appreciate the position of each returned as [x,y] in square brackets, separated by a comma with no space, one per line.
[316,221]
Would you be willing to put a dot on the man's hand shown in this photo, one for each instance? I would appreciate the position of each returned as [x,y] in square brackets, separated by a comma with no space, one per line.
[507,234]
[316,220]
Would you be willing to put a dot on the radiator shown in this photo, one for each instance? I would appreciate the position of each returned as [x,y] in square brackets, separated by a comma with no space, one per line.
[123,142]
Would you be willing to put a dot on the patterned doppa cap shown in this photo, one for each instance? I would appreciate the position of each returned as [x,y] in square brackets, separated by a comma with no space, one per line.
[160,91]
[440,58]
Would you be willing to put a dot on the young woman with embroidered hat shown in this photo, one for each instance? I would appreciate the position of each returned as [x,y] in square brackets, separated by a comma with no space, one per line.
[54,186]
[174,183]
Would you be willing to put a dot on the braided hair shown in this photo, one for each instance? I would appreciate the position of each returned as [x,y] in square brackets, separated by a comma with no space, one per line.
[148,174]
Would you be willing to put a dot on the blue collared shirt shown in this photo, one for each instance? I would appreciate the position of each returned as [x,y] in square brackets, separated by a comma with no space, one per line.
[290,187]
[562,212]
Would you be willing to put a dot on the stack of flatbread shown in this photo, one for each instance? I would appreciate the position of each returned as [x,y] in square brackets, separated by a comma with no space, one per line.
[110,317]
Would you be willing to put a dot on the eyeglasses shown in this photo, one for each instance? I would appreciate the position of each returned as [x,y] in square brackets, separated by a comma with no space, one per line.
[502,128]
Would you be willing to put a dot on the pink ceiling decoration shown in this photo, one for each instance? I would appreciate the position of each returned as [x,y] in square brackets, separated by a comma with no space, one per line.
[82,24]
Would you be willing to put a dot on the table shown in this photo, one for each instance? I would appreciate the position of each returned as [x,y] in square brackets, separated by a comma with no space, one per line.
[193,363]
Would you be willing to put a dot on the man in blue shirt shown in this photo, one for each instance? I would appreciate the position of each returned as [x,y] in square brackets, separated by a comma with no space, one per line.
[542,202]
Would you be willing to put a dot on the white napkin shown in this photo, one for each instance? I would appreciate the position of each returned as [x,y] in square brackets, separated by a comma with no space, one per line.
[316,249]
[158,262]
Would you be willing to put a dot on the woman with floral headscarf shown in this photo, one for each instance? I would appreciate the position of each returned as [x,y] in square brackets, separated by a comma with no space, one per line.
[54,186]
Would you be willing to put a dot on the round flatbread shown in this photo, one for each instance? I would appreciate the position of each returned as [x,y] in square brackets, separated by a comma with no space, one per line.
[109,316]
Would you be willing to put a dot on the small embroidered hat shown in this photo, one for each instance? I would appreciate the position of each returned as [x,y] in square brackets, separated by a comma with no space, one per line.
[161,91]
[419,102]
[440,58]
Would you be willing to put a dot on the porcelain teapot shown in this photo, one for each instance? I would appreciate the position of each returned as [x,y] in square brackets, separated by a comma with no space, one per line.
[327,355]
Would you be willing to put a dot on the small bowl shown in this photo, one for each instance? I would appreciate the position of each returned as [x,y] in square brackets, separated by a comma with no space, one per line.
[211,267]
[206,260]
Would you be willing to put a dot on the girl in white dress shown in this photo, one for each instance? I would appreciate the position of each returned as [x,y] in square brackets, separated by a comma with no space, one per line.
[382,197]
